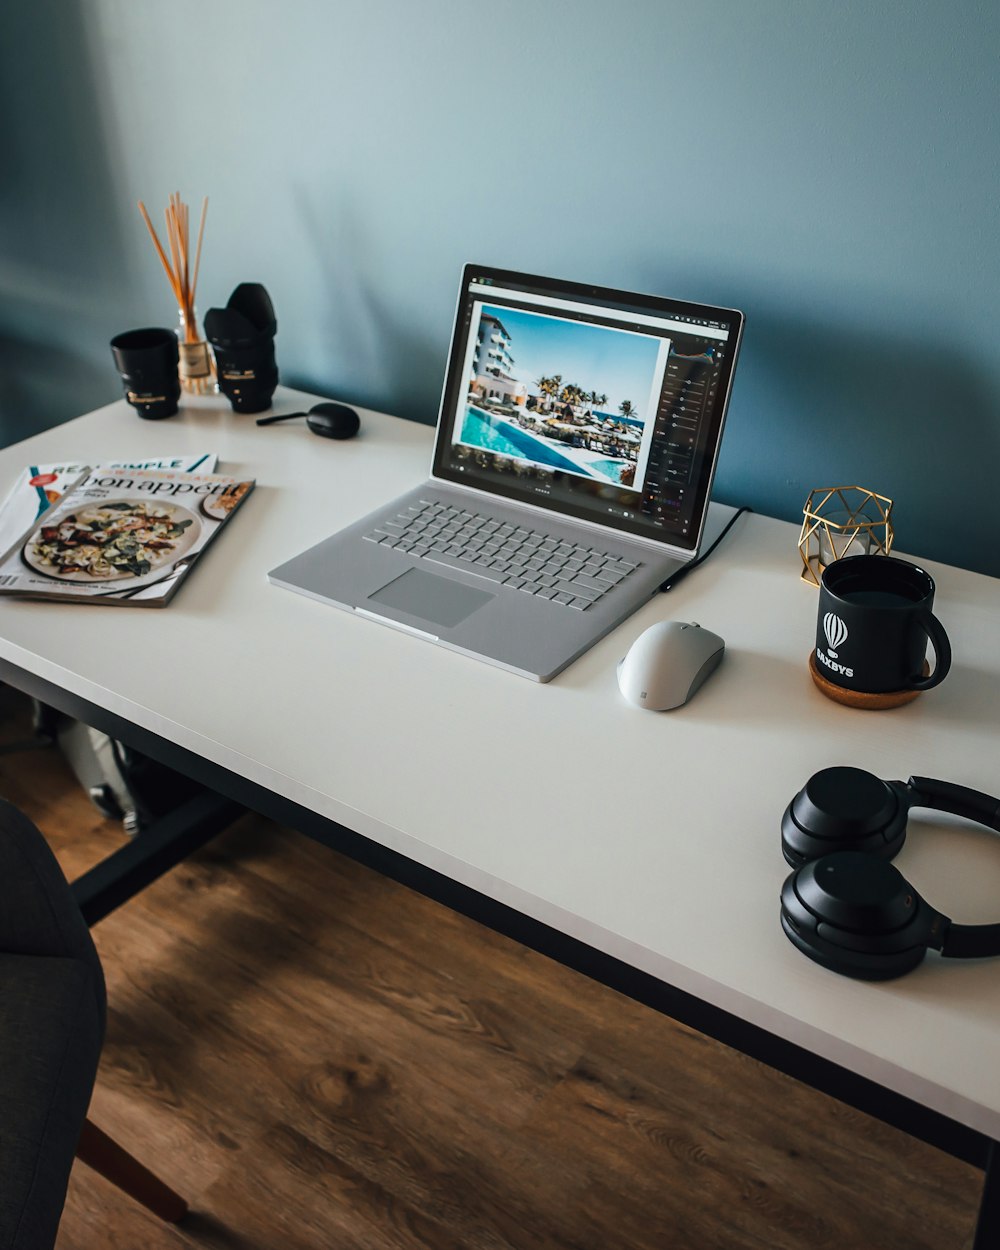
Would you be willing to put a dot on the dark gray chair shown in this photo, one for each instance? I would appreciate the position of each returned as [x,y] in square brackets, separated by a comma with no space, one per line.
[52,1013]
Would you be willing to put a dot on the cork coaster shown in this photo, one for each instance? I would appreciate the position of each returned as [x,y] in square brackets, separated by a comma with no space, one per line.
[860,698]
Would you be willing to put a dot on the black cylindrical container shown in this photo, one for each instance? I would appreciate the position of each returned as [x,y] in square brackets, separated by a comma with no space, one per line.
[875,617]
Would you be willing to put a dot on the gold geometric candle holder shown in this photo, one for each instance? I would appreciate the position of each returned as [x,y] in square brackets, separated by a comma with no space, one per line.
[843,521]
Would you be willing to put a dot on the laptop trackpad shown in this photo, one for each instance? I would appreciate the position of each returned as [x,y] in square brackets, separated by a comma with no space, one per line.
[431,598]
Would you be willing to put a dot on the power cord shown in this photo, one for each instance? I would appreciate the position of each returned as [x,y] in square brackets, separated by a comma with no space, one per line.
[683,571]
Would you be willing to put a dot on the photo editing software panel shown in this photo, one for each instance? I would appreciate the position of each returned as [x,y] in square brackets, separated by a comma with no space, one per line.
[596,403]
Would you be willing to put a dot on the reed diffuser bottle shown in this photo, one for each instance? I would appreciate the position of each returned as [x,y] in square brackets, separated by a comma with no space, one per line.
[195,366]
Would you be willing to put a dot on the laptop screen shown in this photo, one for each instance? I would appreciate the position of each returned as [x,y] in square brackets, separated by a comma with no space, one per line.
[593,403]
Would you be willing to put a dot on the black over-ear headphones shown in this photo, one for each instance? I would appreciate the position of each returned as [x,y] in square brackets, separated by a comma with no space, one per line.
[845,905]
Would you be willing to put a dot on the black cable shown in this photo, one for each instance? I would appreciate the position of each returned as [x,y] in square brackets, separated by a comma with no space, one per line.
[683,571]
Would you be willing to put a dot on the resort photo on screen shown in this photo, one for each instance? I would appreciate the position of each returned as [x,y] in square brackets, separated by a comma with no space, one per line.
[562,394]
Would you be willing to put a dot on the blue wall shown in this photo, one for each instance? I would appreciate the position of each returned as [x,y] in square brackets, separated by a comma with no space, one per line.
[831,168]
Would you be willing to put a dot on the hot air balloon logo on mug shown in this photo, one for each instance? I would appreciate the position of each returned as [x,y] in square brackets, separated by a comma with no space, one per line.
[836,632]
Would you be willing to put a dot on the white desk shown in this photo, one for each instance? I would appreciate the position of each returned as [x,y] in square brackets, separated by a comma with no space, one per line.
[651,838]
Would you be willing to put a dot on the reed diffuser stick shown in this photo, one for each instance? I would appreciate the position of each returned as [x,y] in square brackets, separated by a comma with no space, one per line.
[160,252]
[201,235]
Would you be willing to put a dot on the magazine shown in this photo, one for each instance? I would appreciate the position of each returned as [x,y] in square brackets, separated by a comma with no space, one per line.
[40,486]
[121,536]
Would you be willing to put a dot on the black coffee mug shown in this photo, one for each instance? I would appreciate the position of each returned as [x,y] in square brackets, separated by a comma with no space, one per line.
[147,362]
[874,621]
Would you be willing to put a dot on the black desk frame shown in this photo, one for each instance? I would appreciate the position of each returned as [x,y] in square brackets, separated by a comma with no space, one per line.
[153,852]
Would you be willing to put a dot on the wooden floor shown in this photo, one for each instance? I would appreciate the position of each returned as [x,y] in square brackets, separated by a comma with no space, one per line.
[317,1058]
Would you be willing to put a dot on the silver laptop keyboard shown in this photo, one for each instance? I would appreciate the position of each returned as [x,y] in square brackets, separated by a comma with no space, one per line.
[531,561]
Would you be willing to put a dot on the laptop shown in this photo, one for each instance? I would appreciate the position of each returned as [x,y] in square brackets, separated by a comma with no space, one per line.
[576,445]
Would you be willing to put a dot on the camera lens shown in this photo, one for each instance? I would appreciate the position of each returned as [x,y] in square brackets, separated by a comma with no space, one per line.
[242,337]
[147,364]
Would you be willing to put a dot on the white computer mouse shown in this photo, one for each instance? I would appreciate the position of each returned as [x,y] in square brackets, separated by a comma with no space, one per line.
[667,663]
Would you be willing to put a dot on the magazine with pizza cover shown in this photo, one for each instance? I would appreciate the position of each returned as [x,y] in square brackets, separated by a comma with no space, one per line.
[40,485]
[125,536]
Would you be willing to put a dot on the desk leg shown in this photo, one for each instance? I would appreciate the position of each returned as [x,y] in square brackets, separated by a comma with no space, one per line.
[988,1224]
[151,853]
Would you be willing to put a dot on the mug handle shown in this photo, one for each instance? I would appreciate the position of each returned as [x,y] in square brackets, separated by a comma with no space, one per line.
[942,653]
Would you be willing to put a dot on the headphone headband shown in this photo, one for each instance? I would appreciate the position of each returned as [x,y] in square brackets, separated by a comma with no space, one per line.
[845,905]
[946,796]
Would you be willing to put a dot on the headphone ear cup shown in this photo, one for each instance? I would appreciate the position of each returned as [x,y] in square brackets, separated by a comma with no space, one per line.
[856,915]
[843,809]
